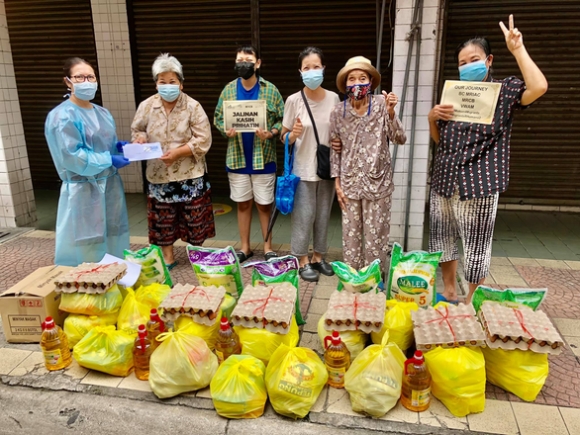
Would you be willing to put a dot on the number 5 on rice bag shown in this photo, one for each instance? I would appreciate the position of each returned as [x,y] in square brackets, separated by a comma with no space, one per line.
[412,276]
[219,267]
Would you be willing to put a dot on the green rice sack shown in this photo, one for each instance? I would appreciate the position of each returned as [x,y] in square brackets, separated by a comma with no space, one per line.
[276,271]
[514,298]
[357,281]
[153,268]
[219,267]
[412,276]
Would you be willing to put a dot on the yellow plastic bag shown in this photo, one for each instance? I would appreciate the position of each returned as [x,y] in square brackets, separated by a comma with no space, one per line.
[137,305]
[152,294]
[106,350]
[355,340]
[520,372]
[208,333]
[261,343]
[294,379]
[375,378]
[458,378]
[399,323]
[238,389]
[76,326]
[181,363]
[92,304]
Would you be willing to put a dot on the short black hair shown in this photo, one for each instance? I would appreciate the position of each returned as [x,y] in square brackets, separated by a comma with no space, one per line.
[307,52]
[480,41]
[248,49]
[71,62]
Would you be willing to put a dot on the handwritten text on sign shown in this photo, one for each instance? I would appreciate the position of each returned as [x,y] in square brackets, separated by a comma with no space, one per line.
[473,102]
[245,116]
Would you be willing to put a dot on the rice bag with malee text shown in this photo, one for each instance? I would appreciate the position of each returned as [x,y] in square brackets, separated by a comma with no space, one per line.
[153,268]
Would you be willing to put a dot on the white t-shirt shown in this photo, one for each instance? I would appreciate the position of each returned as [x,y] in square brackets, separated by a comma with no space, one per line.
[305,162]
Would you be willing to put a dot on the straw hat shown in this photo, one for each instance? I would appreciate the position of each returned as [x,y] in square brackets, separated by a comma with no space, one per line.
[357,62]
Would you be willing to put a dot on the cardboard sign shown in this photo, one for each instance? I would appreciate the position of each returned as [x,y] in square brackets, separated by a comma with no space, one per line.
[245,116]
[472,102]
[25,305]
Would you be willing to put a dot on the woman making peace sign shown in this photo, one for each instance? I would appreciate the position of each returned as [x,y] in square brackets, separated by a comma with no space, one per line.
[472,161]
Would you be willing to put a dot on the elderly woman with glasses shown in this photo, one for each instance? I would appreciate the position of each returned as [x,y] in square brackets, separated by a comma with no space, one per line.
[92,214]
[179,198]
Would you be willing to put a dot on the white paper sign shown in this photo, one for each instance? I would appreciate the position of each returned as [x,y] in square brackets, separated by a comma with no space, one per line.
[133,269]
[136,152]
[245,116]
[473,102]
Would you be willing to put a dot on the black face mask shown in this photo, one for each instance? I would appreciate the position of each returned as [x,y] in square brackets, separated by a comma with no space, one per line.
[245,70]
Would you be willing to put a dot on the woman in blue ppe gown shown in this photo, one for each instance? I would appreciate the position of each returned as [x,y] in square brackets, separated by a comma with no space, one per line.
[92,213]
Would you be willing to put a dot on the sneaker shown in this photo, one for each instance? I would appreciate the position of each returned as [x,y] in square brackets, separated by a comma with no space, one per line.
[323,267]
[307,273]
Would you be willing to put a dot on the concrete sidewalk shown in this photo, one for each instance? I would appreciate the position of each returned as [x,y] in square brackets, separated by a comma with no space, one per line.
[556,411]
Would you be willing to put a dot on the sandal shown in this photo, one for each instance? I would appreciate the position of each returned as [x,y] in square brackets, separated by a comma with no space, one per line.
[269,255]
[242,256]
[308,273]
[441,298]
[172,265]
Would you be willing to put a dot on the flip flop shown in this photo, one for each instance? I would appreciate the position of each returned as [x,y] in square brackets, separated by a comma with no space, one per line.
[172,265]
[242,256]
[441,298]
[269,255]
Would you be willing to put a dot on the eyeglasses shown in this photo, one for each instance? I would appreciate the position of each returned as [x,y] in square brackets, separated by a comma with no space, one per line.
[80,78]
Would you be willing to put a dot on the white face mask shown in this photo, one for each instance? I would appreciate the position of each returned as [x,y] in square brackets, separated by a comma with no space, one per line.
[85,91]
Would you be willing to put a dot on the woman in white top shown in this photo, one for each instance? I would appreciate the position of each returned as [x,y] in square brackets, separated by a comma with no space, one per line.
[314,196]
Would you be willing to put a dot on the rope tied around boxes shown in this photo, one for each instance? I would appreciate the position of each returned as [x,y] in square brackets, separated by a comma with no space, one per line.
[193,291]
[356,305]
[446,317]
[520,316]
[100,268]
[265,301]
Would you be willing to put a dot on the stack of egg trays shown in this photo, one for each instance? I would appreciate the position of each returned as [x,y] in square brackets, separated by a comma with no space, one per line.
[522,328]
[355,311]
[266,307]
[200,303]
[92,278]
[448,327]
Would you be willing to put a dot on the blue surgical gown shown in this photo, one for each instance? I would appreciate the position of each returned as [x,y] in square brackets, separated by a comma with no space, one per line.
[92,213]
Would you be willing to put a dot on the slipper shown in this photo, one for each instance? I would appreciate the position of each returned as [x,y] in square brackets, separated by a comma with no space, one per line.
[269,255]
[242,256]
[441,298]
[172,265]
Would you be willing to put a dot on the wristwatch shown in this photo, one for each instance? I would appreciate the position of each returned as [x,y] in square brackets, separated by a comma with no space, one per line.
[274,134]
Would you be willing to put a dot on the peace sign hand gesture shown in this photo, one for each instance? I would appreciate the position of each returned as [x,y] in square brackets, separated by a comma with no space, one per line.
[513,37]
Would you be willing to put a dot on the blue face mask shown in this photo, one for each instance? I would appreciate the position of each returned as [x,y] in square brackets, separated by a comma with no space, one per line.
[169,92]
[313,79]
[474,71]
[85,91]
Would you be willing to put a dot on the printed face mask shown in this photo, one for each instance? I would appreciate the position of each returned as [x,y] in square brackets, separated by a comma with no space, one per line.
[358,92]
[245,70]
[474,71]
[168,92]
[85,91]
[313,79]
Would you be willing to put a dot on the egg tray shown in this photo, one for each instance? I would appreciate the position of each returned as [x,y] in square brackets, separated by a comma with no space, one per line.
[355,311]
[447,326]
[266,307]
[522,328]
[90,278]
[200,303]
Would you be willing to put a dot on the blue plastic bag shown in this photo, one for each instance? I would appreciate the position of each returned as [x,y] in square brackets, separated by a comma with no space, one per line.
[286,184]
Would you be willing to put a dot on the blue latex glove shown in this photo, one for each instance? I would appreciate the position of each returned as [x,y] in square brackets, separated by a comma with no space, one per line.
[119,161]
[120,145]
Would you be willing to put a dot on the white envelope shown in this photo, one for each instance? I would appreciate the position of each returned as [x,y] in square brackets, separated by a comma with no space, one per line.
[133,270]
[135,152]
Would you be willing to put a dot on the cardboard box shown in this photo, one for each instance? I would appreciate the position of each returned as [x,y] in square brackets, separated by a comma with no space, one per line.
[24,306]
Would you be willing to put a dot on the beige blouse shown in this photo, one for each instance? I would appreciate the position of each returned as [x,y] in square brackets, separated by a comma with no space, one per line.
[364,164]
[187,124]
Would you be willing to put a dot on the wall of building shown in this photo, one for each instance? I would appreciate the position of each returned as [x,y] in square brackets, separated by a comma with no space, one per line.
[17,206]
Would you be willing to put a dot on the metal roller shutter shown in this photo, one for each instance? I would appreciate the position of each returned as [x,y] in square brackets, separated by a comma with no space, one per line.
[42,35]
[203,36]
[545,151]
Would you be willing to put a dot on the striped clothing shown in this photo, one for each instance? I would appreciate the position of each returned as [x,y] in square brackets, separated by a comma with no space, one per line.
[264,150]
[476,157]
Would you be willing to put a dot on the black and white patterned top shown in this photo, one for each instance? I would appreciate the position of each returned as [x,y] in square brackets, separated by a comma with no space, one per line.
[476,157]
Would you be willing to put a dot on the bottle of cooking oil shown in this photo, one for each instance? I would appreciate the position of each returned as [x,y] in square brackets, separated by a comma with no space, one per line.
[54,346]
[416,390]
[155,326]
[336,359]
[228,342]
[142,353]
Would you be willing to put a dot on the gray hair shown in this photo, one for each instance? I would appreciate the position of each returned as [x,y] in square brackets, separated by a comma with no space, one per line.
[166,63]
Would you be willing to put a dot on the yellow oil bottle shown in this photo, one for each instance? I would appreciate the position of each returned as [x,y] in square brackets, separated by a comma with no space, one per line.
[54,345]
[336,359]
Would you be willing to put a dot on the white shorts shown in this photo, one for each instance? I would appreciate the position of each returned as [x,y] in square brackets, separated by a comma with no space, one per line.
[260,187]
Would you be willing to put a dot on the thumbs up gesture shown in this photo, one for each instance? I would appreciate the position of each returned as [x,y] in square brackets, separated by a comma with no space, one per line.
[296,131]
